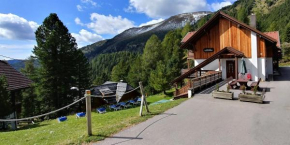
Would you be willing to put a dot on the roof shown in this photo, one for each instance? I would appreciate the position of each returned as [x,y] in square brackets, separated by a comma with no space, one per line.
[15,79]
[216,17]
[276,36]
[209,60]
[187,36]
[121,89]
[109,82]
[116,91]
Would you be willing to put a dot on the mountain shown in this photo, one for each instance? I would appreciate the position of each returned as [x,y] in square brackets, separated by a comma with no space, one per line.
[134,39]
[17,64]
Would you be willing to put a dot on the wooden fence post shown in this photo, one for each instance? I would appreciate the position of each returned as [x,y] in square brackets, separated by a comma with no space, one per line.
[143,100]
[88,112]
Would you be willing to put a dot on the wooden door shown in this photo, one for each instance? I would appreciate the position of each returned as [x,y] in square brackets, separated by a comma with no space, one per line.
[230,69]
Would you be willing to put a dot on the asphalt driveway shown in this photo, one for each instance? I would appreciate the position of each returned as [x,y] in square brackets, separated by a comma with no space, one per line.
[205,120]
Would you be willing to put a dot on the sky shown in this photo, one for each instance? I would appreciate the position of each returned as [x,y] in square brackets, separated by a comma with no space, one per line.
[88,21]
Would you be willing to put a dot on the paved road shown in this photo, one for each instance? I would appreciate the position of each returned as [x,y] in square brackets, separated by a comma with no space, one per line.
[203,120]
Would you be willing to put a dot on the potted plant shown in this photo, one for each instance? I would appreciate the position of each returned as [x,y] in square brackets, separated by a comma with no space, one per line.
[223,94]
[249,97]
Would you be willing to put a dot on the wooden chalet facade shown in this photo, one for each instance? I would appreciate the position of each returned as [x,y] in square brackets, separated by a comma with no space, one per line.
[221,32]
[223,41]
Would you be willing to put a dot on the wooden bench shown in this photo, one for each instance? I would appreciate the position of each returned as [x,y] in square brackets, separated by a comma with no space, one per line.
[233,84]
[254,84]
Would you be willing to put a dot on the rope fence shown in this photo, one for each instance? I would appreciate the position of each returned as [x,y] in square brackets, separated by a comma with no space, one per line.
[33,117]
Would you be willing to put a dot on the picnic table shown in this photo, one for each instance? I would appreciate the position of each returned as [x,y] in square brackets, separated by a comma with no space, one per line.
[243,82]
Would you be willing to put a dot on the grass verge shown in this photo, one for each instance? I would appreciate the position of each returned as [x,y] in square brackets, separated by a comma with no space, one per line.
[73,131]
[284,64]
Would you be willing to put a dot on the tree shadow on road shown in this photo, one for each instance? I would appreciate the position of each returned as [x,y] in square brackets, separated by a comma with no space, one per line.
[137,136]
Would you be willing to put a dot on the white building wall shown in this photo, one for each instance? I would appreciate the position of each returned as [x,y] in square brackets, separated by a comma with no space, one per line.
[262,68]
[212,66]
[254,59]
[249,66]
[269,66]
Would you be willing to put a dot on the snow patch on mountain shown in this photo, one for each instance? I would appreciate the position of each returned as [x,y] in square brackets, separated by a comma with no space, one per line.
[174,22]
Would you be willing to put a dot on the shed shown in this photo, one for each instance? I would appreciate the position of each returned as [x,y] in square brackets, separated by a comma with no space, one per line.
[16,82]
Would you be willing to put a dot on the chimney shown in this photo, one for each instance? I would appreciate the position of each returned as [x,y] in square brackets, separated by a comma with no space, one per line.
[253,22]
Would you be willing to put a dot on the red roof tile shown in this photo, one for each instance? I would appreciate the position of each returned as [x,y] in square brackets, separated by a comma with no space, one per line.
[275,35]
[187,36]
[15,79]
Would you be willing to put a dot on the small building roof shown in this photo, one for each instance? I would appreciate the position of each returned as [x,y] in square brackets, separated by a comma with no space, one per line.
[187,36]
[15,79]
[115,90]
[276,36]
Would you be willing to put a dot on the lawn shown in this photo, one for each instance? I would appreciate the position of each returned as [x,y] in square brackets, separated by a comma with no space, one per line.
[284,64]
[73,131]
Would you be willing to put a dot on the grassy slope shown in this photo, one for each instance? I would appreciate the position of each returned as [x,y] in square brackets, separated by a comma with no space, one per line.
[73,131]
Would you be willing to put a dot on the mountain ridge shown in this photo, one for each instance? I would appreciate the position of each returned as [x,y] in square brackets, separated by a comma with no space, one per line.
[134,39]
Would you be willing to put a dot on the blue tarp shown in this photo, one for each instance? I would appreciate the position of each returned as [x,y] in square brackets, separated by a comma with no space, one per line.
[160,102]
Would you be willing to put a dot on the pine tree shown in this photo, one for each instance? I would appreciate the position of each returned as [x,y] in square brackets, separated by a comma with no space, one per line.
[56,51]
[243,15]
[287,38]
[84,72]
[135,74]
[5,102]
[173,54]
[158,78]
[120,71]
[187,28]
[152,53]
[30,100]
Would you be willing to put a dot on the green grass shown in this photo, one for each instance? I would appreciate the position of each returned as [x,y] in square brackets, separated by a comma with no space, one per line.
[284,64]
[73,131]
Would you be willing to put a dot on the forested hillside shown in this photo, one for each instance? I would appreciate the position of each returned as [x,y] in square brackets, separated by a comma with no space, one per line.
[160,62]
[272,15]
[122,52]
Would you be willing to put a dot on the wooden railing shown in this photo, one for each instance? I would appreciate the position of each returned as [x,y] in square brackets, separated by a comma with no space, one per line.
[198,83]
[183,90]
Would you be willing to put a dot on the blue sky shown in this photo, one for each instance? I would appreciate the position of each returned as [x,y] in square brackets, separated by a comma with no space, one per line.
[88,20]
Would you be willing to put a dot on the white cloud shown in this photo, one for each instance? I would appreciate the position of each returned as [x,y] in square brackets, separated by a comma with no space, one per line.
[85,4]
[78,21]
[15,27]
[151,22]
[80,8]
[164,8]
[85,36]
[18,50]
[218,5]
[13,46]
[102,24]
[89,2]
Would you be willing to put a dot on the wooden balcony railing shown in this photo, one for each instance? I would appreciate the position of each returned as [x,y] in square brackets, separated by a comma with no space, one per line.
[199,83]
